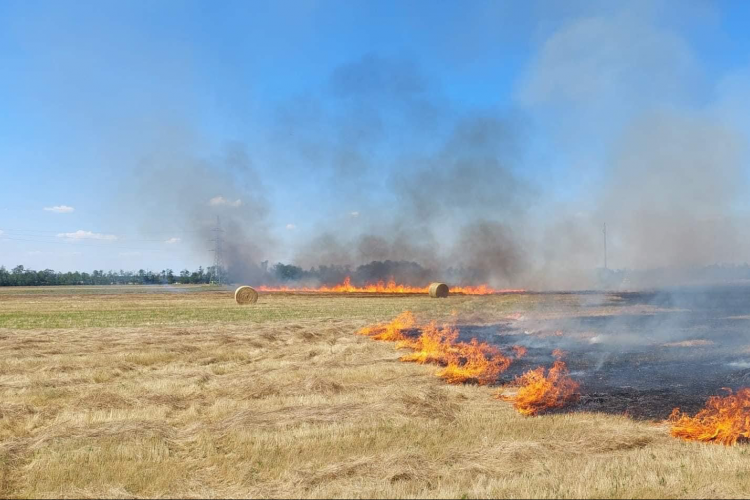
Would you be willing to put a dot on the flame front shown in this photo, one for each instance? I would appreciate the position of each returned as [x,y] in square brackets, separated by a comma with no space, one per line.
[472,361]
[390,287]
[435,345]
[540,391]
[724,420]
[393,331]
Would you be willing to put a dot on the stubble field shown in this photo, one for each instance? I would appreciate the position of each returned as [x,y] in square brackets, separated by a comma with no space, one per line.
[179,392]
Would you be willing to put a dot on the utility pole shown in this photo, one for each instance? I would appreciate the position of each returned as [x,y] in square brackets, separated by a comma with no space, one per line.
[218,241]
[605,246]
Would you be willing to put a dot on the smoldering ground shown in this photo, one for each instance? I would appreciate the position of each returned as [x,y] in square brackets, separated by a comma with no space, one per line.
[641,353]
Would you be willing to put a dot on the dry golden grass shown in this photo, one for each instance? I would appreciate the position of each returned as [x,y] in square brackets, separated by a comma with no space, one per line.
[282,399]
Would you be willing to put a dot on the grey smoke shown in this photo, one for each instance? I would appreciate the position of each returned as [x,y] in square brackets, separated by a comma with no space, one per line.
[612,95]
[452,180]
[674,179]
[179,190]
[661,166]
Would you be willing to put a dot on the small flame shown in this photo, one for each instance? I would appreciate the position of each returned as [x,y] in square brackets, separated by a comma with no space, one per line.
[435,345]
[384,287]
[519,351]
[724,420]
[540,391]
[472,361]
[559,353]
[393,331]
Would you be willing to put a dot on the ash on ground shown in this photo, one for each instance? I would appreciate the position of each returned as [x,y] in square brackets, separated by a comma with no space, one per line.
[639,354]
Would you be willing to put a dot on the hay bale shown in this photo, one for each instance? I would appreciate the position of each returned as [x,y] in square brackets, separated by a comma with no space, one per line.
[438,290]
[246,295]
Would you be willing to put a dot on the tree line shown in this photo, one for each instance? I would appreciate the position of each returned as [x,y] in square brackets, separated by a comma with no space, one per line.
[20,276]
[409,273]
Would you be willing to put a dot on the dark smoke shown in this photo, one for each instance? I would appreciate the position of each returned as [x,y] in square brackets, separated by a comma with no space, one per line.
[611,94]
[451,204]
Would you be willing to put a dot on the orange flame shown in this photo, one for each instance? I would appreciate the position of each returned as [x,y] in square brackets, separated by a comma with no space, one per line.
[393,331]
[724,420]
[474,361]
[519,350]
[462,361]
[435,345]
[542,391]
[559,353]
[384,287]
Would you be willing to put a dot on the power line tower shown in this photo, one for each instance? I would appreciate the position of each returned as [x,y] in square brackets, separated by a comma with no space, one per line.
[218,241]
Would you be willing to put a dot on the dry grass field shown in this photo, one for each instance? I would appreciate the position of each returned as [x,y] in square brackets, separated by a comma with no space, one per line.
[153,392]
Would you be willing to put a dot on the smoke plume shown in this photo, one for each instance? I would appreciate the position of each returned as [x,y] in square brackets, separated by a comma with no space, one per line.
[182,191]
[609,96]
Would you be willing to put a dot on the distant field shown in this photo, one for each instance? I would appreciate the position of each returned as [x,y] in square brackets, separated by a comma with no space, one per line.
[123,306]
[179,392]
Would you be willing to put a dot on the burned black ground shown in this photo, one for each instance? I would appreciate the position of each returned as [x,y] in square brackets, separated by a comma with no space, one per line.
[642,355]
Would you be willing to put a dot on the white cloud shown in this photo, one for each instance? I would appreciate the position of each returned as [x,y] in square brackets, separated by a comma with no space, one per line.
[218,201]
[86,235]
[354,214]
[291,227]
[60,209]
[172,241]
[129,254]
[35,252]
[1,232]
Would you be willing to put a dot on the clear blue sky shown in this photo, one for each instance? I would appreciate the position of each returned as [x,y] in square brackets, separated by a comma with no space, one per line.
[88,87]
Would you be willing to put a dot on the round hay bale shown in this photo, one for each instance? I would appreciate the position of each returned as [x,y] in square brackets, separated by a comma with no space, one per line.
[438,290]
[246,295]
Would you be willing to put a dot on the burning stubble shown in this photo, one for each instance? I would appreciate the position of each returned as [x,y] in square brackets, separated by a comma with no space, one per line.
[724,420]
[462,362]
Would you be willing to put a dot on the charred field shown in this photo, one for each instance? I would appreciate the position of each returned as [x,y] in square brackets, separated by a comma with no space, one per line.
[639,353]
[148,391]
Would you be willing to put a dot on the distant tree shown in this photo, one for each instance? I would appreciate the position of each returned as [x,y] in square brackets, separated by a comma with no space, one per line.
[287,272]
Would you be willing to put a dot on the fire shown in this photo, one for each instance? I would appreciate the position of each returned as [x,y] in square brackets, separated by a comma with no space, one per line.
[384,287]
[435,345]
[540,391]
[724,420]
[393,331]
[519,351]
[472,361]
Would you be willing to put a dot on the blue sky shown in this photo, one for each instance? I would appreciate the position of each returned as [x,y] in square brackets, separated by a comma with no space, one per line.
[89,89]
